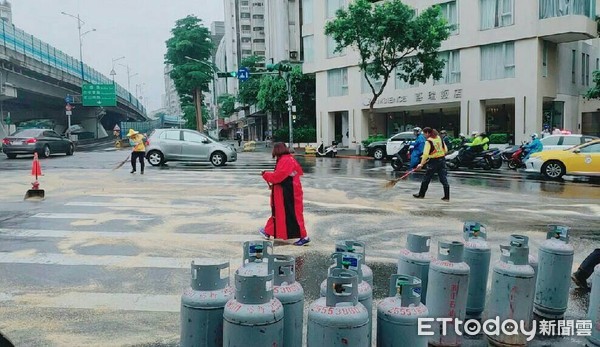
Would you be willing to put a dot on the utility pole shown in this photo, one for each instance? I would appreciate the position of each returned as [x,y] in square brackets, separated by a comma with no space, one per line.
[289,102]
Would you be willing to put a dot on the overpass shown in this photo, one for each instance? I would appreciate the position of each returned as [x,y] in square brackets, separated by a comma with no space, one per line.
[35,78]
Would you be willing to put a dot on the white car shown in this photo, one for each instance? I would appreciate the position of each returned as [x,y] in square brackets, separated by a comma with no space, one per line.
[395,143]
[565,141]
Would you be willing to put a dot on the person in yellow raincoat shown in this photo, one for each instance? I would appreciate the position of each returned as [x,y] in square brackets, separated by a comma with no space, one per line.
[137,142]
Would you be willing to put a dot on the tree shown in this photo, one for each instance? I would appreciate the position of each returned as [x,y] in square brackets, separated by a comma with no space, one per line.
[248,90]
[226,104]
[390,36]
[190,39]
[594,91]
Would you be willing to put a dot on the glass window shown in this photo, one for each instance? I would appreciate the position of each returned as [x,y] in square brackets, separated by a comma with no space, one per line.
[333,6]
[259,40]
[402,84]
[193,137]
[496,13]
[309,49]
[451,71]
[498,61]
[559,8]
[258,16]
[365,88]
[550,140]
[246,27]
[244,15]
[307,11]
[244,3]
[573,65]
[587,70]
[545,60]
[595,148]
[450,13]
[337,82]
[571,141]
[170,135]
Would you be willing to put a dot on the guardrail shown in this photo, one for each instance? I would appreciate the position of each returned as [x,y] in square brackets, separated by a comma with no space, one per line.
[32,47]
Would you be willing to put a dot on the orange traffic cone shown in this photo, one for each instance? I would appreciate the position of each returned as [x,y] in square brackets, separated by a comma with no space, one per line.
[36,170]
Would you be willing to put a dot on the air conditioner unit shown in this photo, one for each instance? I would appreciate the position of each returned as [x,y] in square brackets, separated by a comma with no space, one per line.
[294,55]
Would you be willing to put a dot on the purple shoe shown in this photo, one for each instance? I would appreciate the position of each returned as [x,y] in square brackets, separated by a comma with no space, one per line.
[264,234]
[302,242]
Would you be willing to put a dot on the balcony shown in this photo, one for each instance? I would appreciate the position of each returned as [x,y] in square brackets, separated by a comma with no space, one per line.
[567,28]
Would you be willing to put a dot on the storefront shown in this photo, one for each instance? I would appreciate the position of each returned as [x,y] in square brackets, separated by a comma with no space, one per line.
[441,119]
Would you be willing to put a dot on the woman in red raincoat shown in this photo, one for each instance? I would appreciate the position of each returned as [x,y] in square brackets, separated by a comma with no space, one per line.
[287,219]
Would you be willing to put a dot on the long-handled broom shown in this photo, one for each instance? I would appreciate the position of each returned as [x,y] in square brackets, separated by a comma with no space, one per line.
[392,183]
[122,163]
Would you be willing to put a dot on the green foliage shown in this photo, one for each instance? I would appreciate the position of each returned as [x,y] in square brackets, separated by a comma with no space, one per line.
[303,134]
[594,91]
[390,37]
[500,138]
[373,138]
[248,92]
[189,115]
[226,104]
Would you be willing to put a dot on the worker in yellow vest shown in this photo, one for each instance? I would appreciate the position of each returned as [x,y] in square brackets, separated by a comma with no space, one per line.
[434,154]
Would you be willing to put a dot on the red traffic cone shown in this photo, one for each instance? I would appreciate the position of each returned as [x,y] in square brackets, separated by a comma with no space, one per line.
[36,168]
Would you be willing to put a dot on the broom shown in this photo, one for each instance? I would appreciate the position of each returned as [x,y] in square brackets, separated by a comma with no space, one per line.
[122,163]
[392,183]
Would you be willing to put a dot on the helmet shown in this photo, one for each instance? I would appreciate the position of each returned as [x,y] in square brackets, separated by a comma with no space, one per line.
[417,130]
[461,135]
[443,132]
[475,133]
[534,136]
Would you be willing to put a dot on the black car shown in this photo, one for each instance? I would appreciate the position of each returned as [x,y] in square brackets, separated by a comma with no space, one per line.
[45,142]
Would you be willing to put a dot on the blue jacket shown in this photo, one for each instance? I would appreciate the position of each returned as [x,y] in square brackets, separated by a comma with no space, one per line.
[534,146]
[418,146]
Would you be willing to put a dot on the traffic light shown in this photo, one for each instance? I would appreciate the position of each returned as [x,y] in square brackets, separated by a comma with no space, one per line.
[227,74]
[279,67]
[285,68]
[272,67]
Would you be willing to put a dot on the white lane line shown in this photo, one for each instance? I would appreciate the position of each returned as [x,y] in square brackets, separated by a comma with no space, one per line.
[97,301]
[214,236]
[88,216]
[119,261]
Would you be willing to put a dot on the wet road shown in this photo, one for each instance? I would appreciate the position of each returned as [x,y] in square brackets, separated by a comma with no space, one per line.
[103,259]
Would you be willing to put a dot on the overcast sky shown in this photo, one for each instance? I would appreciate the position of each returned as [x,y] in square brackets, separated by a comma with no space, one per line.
[136,29]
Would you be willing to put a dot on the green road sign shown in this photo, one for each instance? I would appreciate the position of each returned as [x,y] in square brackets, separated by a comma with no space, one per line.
[99,95]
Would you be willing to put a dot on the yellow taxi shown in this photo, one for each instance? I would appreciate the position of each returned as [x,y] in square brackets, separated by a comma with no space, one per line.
[581,160]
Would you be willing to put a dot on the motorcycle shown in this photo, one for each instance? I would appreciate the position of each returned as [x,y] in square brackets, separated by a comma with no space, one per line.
[330,151]
[508,152]
[516,160]
[402,159]
[486,160]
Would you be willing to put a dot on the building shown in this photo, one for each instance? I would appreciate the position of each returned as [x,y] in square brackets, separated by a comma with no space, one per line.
[511,67]
[6,12]
[217,32]
[171,102]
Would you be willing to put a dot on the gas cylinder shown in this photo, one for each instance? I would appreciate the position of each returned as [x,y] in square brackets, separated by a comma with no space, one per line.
[414,260]
[398,315]
[510,298]
[594,308]
[339,319]
[256,258]
[447,293]
[291,295]
[533,260]
[554,274]
[477,256]
[352,246]
[352,262]
[254,317]
[202,304]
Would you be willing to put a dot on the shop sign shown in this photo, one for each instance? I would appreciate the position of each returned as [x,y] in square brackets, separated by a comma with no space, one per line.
[418,97]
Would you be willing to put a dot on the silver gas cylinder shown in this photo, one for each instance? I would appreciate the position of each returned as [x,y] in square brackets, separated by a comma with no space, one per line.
[352,246]
[594,308]
[414,260]
[291,295]
[398,315]
[447,293]
[339,319]
[477,256]
[511,295]
[254,317]
[203,303]
[256,258]
[352,262]
[533,260]
[554,274]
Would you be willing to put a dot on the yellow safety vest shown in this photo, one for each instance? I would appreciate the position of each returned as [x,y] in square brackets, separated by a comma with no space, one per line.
[437,149]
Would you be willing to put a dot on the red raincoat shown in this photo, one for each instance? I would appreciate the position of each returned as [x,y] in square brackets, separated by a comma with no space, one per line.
[287,209]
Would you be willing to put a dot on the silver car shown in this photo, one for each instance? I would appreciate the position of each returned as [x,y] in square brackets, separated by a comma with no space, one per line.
[186,145]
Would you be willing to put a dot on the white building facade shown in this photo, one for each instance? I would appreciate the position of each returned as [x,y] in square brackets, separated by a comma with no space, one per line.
[171,102]
[511,67]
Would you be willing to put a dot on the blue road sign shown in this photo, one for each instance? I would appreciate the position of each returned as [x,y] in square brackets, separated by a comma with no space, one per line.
[243,74]
[69,99]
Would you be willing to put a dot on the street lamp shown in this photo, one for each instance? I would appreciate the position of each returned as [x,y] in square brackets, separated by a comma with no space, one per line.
[129,75]
[113,73]
[80,23]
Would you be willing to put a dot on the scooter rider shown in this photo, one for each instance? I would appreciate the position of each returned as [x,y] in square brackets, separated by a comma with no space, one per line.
[532,147]
[446,139]
[418,146]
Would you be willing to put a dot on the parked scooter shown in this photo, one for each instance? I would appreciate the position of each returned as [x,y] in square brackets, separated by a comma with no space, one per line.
[330,151]
[486,160]
[401,160]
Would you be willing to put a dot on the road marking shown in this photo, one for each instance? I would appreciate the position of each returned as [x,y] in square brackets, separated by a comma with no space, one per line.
[89,216]
[119,261]
[97,301]
[125,235]
[138,205]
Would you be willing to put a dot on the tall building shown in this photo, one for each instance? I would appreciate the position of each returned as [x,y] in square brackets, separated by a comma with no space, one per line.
[6,11]
[171,102]
[511,67]
[217,32]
